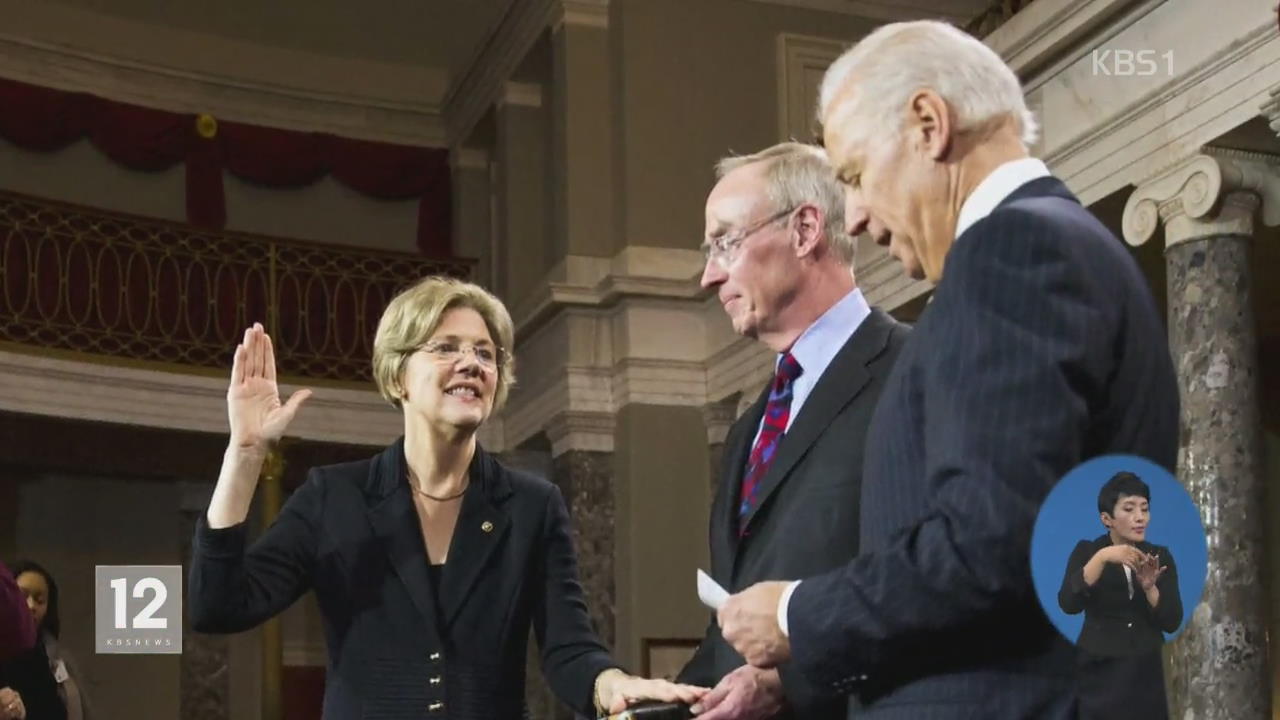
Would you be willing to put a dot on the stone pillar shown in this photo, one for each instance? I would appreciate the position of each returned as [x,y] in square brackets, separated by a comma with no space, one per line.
[472,197]
[204,682]
[522,190]
[582,147]
[582,467]
[1218,666]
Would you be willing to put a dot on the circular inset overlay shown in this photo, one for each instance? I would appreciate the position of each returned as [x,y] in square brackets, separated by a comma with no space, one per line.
[1097,574]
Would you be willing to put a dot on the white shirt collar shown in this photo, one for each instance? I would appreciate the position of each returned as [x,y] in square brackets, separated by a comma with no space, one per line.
[997,186]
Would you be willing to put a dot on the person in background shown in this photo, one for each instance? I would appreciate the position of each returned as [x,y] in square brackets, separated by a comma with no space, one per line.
[41,591]
[38,684]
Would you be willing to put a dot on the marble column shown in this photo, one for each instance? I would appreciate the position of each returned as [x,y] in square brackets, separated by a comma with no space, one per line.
[1218,666]
[582,468]
[204,673]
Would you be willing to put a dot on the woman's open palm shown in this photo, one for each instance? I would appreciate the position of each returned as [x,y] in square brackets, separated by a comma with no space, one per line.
[253,400]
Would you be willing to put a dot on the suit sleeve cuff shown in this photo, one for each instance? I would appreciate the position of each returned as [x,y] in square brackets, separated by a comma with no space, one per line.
[222,542]
[783,604]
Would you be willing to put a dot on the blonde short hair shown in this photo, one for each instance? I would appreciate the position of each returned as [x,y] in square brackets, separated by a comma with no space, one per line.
[897,60]
[798,173]
[414,315]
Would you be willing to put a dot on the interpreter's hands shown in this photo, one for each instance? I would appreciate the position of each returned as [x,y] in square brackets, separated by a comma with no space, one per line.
[11,707]
[747,693]
[253,401]
[619,690]
[1149,571]
[749,622]
[1127,555]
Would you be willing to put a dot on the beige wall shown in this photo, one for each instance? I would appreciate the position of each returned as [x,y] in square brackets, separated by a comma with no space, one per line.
[663,503]
[697,80]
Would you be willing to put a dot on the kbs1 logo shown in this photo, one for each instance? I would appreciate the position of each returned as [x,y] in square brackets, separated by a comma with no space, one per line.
[1128,63]
[138,609]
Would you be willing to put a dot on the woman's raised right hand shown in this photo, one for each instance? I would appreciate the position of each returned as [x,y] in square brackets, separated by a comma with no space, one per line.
[257,416]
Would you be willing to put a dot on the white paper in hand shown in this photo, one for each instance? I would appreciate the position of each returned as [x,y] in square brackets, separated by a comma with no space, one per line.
[710,592]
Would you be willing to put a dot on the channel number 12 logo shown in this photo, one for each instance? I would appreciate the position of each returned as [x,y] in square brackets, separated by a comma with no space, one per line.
[138,608]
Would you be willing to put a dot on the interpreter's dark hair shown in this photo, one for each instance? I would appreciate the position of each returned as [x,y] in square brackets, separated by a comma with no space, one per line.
[1121,484]
[51,623]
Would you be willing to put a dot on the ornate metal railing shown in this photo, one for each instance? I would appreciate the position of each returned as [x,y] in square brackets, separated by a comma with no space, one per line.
[87,281]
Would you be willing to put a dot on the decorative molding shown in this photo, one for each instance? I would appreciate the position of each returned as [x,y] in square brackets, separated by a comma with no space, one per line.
[478,88]
[636,328]
[1207,194]
[90,391]
[259,103]
[575,430]
[1042,31]
[583,13]
[637,271]
[800,57]
[676,383]
[469,158]
[1171,122]
[957,11]
[521,94]
[1271,109]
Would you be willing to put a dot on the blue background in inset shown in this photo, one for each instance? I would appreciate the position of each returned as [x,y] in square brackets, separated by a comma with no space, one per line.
[1070,514]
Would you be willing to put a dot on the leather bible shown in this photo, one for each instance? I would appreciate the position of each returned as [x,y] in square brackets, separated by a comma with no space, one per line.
[654,711]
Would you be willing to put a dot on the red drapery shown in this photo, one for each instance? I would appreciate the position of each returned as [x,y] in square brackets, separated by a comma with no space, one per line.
[139,138]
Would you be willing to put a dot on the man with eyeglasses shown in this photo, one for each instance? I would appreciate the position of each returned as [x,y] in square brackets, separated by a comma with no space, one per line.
[787,500]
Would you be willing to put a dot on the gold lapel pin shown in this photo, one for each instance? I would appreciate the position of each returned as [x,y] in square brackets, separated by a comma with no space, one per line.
[486,526]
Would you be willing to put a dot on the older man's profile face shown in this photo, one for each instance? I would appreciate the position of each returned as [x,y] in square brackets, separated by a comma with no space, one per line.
[874,202]
[754,279]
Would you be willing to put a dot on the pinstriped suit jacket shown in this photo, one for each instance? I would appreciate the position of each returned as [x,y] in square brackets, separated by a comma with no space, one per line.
[1042,348]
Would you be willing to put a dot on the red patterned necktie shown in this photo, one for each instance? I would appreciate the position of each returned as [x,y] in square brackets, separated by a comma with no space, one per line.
[776,413]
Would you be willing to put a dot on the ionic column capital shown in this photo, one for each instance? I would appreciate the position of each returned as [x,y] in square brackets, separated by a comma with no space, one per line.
[1212,193]
[1271,110]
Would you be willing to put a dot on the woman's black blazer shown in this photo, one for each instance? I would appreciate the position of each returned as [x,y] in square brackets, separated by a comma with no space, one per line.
[1114,623]
[352,535]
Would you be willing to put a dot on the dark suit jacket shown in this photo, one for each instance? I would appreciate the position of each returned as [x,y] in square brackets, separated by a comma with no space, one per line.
[1041,348]
[351,534]
[806,520]
[1120,662]
[1114,623]
[29,675]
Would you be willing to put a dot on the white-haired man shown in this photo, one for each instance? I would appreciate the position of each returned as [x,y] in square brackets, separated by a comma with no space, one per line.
[787,501]
[1041,348]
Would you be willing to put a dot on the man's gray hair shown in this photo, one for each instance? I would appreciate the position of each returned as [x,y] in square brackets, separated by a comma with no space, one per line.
[796,174]
[899,59]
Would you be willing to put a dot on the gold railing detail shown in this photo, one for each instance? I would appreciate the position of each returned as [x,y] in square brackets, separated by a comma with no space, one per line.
[106,284]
